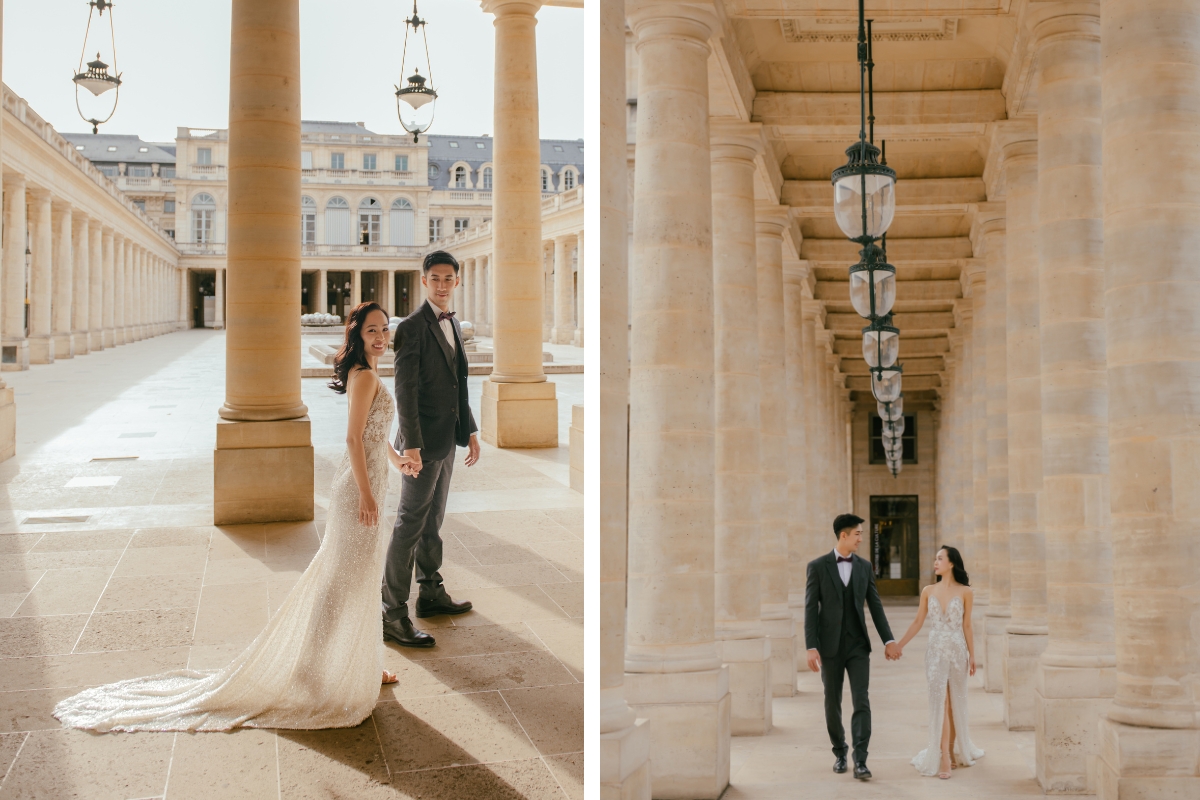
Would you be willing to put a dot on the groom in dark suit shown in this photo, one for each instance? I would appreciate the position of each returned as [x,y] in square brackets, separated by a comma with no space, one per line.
[835,633]
[431,401]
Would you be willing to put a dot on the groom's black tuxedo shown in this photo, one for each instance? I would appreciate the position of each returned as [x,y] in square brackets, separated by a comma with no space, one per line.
[836,627]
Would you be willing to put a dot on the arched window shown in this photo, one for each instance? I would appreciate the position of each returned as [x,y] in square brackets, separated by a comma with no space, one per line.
[487,179]
[568,179]
[433,172]
[337,221]
[204,211]
[308,220]
[460,177]
[402,222]
[546,180]
[369,215]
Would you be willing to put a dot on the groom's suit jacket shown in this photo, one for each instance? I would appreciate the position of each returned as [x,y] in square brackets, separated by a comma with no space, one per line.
[824,611]
[431,387]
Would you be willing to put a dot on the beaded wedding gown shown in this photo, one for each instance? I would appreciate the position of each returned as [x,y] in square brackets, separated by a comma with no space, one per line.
[946,663]
[318,662]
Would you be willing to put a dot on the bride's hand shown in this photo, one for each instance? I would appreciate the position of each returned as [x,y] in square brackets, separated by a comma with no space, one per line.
[971,662]
[368,512]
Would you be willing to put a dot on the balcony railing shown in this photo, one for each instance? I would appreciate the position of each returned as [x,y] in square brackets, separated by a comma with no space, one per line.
[325,250]
[401,178]
[208,169]
[201,248]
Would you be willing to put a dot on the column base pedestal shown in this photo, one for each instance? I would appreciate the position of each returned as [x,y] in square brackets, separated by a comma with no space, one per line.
[576,434]
[562,335]
[8,424]
[994,624]
[577,339]
[689,730]
[95,340]
[1069,703]
[519,414]
[263,472]
[14,355]
[625,763]
[979,621]
[108,338]
[1137,763]
[749,665]
[1021,654]
[41,349]
[64,345]
[782,635]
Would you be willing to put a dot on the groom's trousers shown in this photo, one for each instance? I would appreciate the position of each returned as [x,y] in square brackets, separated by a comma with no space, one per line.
[416,538]
[853,659]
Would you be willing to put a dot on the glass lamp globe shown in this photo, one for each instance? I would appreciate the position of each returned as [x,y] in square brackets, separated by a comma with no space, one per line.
[885,383]
[415,92]
[96,78]
[893,410]
[896,426]
[880,344]
[882,279]
[863,179]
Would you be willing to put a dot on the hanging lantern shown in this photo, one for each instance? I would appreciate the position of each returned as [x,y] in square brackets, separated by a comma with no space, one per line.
[418,93]
[96,78]
[872,284]
[881,343]
[864,194]
[892,411]
[885,383]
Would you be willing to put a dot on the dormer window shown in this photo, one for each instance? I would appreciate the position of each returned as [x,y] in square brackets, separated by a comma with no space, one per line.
[454,144]
[78,147]
[479,145]
[558,148]
[143,149]
[112,148]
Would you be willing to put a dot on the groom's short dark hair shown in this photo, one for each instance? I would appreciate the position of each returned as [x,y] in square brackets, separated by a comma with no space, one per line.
[439,257]
[844,521]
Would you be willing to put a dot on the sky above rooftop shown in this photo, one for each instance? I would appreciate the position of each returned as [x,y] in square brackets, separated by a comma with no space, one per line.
[174,56]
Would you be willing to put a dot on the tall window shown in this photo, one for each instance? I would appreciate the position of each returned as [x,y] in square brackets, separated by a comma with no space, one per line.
[306,159]
[308,220]
[545,180]
[401,163]
[337,221]
[168,206]
[568,179]
[204,210]
[461,224]
[141,204]
[337,160]
[369,161]
[204,156]
[402,222]
[908,440]
[487,178]
[369,215]
[167,172]
[460,177]
[139,171]
[435,229]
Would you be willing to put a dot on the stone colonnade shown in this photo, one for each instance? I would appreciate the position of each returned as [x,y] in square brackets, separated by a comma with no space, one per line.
[1090,384]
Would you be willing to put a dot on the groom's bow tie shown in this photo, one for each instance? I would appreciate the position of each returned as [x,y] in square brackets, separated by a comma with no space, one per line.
[445,315]
[842,558]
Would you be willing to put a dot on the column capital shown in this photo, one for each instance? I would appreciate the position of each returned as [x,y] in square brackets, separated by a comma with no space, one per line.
[771,219]
[735,141]
[1058,20]
[654,19]
[1016,154]
[503,8]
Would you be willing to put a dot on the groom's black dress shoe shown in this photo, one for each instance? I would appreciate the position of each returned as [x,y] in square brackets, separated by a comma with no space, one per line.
[861,772]
[839,766]
[404,634]
[443,605]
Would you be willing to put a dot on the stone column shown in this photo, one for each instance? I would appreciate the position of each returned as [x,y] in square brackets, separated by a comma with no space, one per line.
[466,287]
[1076,674]
[480,289]
[390,305]
[16,344]
[355,287]
[519,407]
[1149,742]
[1027,552]
[795,274]
[322,291]
[219,300]
[624,739]
[741,637]
[41,271]
[548,293]
[772,220]
[978,553]
[673,673]
[108,311]
[815,540]
[96,286]
[129,312]
[81,288]
[966,486]
[8,408]
[995,330]
[577,339]
[264,458]
[564,293]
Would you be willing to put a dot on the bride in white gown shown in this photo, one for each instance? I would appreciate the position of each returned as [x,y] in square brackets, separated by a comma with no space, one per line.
[949,659]
[318,662]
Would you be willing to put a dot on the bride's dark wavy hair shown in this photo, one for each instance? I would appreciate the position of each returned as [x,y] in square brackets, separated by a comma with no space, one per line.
[956,561]
[353,352]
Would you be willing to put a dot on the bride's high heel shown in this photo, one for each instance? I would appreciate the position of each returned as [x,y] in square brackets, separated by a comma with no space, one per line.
[945,773]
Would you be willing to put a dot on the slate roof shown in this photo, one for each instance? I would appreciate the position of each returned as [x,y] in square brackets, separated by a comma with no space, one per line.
[95,148]
[477,150]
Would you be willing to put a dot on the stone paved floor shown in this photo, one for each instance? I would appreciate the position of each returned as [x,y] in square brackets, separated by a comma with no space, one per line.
[112,569]
[794,760]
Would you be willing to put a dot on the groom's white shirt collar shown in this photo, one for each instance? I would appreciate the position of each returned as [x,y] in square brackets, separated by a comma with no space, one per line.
[844,567]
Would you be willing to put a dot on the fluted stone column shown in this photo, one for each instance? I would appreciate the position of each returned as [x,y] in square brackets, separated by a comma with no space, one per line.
[577,338]
[624,739]
[519,405]
[999,611]
[81,289]
[1150,85]
[1077,671]
[96,286]
[741,637]
[41,271]
[795,273]
[264,458]
[1027,550]
[62,281]
[219,299]
[16,344]
[109,246]
[772,220]
[673,673]
[564,295]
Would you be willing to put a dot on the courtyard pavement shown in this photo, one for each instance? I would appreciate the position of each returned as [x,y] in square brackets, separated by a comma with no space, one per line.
[110,568]
[795,760]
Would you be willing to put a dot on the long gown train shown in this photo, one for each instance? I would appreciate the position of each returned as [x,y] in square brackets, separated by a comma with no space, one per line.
[318,662]
[946,665]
